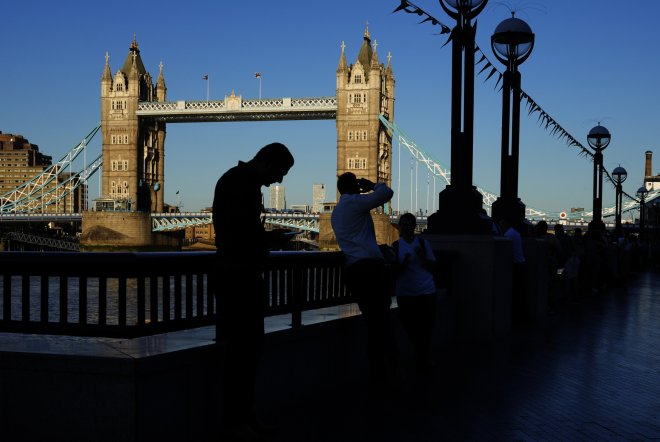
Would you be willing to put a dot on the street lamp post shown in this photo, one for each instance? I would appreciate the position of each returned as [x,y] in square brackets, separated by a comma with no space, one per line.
[641,193]
[619,175]
[512,44]
[461,197]
[599,138]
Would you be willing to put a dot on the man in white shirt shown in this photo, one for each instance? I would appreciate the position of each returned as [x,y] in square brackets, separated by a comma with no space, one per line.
[365,267]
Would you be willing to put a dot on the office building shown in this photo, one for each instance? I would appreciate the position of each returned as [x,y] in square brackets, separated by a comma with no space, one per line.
[318,197]
[277,197]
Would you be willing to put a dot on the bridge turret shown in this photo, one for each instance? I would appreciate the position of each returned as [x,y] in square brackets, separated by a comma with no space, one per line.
[161,89]
[106,78]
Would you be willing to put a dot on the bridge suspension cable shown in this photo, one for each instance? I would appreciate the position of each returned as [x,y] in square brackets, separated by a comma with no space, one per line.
[437,169]
[38,192]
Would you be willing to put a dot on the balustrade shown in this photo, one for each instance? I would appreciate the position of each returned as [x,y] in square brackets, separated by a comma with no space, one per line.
[136,294]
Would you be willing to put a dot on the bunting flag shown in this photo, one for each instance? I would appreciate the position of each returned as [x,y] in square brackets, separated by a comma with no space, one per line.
[410,8]
[205,77]
[544,119]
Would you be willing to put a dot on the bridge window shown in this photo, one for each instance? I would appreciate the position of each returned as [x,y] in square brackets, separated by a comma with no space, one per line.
[364,135]
[125,164]
[120,86]
[357,163]
[350,135]
[113,168]
[358,79]
[125,139]
[113,139]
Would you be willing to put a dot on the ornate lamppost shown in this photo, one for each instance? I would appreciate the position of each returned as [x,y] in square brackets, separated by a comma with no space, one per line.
[598,138]
[641,194]
[619,175]
[512,44]
[461,197]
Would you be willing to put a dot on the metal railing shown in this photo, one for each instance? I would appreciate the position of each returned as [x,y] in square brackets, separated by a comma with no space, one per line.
[137,294]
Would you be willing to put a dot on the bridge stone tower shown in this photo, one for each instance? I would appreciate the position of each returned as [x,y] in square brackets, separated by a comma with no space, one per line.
[365,90]
[133,148]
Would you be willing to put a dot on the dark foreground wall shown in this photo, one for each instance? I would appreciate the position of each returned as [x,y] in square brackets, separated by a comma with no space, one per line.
[156,388]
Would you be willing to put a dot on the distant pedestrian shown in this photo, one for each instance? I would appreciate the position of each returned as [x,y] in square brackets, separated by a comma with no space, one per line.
[365,269]
[518,276]
[416,292]
[243,249]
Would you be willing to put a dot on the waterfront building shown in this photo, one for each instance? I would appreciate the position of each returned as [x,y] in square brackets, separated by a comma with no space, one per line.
[652,182]
[277,197]
[204,232]
[21,161]
[318,197]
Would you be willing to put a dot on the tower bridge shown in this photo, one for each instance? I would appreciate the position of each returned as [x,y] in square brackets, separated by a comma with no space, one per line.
[135,113]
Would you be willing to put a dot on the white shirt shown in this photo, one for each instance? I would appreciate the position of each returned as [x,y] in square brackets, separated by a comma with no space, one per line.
[353,226]
[415,278]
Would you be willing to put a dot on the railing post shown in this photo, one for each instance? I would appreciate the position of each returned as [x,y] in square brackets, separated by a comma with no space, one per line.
[6,297]
[297,287]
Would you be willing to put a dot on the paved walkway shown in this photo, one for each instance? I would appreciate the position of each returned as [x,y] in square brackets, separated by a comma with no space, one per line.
[591,373]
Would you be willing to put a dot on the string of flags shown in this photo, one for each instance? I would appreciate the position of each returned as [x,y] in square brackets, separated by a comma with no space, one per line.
[544,119]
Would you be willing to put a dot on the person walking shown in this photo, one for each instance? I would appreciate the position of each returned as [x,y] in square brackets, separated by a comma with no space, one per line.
[415,289]
[519,274]
[243,247]
[365,269]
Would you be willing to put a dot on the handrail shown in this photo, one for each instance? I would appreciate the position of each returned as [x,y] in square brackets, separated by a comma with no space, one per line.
[137,294]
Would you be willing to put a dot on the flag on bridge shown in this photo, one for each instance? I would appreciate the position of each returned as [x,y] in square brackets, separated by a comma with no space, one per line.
[205,77]
[257,75]
[177,192]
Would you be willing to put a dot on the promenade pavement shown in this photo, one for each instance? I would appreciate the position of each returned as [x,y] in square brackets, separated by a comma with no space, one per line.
[590,373]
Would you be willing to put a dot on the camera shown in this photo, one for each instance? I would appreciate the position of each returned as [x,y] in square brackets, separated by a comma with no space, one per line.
[364,185]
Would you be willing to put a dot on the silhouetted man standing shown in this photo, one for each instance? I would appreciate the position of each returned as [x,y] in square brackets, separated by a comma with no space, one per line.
[243,248]
[365,267]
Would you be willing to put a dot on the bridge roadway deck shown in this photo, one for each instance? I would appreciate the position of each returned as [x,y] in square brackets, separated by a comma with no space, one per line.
[591,372]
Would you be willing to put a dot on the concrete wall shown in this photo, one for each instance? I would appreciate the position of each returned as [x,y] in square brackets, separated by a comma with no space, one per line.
[480,286]
[99,390]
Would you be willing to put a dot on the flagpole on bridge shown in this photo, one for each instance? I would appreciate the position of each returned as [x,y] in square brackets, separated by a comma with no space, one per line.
[206,78]
[258,76]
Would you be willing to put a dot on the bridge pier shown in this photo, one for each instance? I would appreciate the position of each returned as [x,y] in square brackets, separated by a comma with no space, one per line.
[124,231]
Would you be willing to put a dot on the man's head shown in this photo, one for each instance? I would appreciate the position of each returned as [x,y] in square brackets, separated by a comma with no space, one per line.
[272,163]
[348,183]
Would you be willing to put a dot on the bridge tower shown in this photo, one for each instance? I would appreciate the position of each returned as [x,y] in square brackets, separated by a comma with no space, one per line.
[365,90]
[133,149]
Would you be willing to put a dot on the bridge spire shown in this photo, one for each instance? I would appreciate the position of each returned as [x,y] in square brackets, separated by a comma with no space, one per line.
[107,75]
[342,59]
[161,89]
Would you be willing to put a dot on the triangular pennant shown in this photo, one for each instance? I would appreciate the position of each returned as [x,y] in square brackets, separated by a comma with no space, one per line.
[403,5]
[486,66]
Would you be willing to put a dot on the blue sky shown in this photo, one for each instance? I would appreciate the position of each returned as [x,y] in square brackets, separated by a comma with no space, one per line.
[593,61]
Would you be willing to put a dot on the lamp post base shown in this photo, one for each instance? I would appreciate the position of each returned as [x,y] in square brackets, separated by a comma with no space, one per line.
[460,211]
[511,209]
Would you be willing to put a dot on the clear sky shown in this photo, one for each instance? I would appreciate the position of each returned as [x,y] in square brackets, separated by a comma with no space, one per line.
[593,61]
